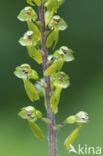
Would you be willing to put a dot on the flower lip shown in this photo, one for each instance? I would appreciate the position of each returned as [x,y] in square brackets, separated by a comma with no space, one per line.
[29,108]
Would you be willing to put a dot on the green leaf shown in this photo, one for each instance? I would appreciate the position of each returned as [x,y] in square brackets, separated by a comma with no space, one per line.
[36,130]
[52,38]
[25,72]
[30,90]
[27,14]
[54,67]
[37,2]
[72,137]
[35,54]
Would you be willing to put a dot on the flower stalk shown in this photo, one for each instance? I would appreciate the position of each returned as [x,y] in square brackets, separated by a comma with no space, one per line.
[51,116]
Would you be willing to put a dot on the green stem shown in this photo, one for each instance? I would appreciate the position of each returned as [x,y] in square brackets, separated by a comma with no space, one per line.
[51,132]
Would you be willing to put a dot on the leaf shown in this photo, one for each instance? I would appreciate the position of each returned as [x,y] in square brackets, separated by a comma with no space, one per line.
[72,137]
[35,54]
[37,2]
[36,130]
[55,98]
[30,90]
[27,14]
[52,38]
[54,67]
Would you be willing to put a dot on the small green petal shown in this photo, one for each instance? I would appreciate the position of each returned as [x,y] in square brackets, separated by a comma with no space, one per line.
[27,14]
[57,22]
[30,113]
[72,137]
[40,89]
[27,39]
[35,54]
[54,67]
[31,90]
[52,39]
[64,53]
[52,5]
[36,130]
[61,80]
[48,16]
[55,98]
[37,34]
[25,72]
[71,119]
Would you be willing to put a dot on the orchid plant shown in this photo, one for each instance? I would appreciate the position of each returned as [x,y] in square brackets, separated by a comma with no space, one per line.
[41,37]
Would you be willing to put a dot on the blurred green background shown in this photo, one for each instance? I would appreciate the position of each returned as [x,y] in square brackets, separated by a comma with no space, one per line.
[85,36]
